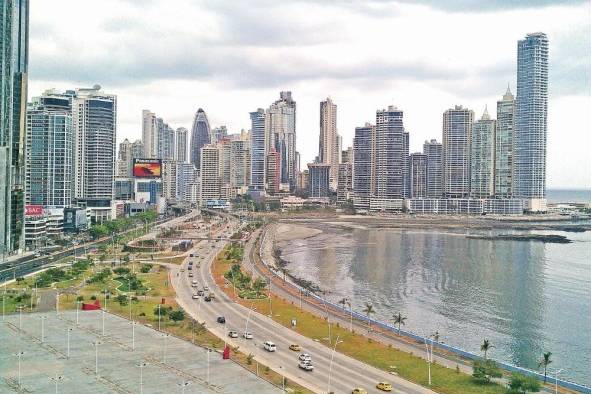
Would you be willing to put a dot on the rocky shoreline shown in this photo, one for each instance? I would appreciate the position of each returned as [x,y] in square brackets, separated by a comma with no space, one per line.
[556,239]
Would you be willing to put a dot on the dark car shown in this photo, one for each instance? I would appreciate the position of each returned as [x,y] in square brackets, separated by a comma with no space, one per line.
[221,320]
[201,293]
[190,267]
[207,299]
[191,255]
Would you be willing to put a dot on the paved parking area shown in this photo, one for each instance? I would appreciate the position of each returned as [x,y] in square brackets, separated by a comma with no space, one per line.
[167,363]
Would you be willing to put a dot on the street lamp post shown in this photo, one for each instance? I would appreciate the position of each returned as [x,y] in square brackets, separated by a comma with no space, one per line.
[19,355]
[183,385]
[57,379]
[556,380]
[133,323]
[96,345]
[142,365]
[68,330]
[331,358]
[328,321]
[77,310]
[103,315]
[270,307]
[43,328]
[429,355]
[158,317]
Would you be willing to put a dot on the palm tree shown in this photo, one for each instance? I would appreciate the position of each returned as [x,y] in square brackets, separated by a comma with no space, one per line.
[368,311]
[399,319]
[485,347]
[343,302]
[545,361]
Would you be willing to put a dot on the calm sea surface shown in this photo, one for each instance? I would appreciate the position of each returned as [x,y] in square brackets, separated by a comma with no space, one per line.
[525,297]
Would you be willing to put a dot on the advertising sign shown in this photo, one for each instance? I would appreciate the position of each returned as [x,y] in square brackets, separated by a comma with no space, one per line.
[147,168]
[33,210]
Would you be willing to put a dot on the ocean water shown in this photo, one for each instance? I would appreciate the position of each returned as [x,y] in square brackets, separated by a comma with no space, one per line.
[525,297]
[565,195]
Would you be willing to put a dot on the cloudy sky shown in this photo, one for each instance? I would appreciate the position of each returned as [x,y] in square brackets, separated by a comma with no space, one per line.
[231,57]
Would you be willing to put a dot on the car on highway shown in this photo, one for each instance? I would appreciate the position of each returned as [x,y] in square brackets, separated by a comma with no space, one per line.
[359,390]
[182,270]
[195,296]
[201,292]
[232,334]
[190,267]
[193,283]
[190,274]
[191,255]
[207,299]
[247,335]
[190,263]
[205,288]
[295,347]
[269,346]
[221,319]
[305,357]
[384,386]
[306,366]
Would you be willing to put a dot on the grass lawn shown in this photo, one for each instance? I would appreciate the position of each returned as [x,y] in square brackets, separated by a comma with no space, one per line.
[406,365]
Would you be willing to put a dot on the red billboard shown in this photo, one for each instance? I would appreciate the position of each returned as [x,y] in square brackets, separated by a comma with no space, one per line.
[33,210]
[147,168]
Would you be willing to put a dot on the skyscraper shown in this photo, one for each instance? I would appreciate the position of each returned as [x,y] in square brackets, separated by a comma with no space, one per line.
[149,134]
[200,136]
[328,144]
[345,183]
[124,160]
[319,177]
[258,150]
[457,133]
[14,59]
[210,173]
[181,145]
[390,155]
[166,141]
[433,152]
[272,173]
[219,133]
[531,110]
[418,175]
[482,157]
[504,146]
[50,151]
[281,118]
[363,165]
[94,117]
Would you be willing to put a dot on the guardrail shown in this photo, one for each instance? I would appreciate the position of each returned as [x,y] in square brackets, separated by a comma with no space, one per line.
[455,350]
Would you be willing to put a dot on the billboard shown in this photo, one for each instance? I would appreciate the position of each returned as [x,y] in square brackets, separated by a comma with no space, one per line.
[33,210]
[147,168]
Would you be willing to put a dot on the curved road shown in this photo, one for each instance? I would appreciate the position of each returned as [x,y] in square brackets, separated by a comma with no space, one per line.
[347,373]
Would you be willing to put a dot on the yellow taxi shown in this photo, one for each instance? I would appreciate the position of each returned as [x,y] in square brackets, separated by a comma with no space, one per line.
[295,347]
[359,390]
[384,386]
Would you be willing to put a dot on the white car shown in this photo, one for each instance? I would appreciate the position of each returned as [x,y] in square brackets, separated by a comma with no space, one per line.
[232,334]
[247,335]
[306,366]
[195,296]
[305,357]
[269,346]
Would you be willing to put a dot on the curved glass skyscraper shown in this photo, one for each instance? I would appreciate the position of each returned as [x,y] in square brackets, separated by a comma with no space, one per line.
[200,136]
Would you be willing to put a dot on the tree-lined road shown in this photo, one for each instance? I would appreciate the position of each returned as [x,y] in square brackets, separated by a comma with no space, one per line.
[347,373]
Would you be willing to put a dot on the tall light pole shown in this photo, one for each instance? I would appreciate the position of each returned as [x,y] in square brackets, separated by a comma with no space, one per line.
[429,354]
[103,315]
[19,355]
[556,380]
[183,385]
[68,330]
[57,379]
[142,365]
[165,335]
[57,303]
[270,308]
[328,321]
[133,323]
[158,317]
[43,328]
[96,345]
[331,358]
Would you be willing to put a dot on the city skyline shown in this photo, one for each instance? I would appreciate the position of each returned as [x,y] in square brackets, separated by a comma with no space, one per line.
[473,78]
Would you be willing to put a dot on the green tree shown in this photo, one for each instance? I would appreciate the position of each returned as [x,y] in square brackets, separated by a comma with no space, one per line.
[258,286]
[521,384]
[484,371]
[399,320]
[177,315]
[369,309]
[121,299]
[485,347]
[545,361]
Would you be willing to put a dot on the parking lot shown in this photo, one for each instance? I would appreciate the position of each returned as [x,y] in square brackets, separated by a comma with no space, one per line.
[126,359]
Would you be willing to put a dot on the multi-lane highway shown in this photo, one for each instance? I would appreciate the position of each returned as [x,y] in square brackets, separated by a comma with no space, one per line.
[345,374]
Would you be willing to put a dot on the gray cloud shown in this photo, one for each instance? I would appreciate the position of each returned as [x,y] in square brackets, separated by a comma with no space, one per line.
[491,5]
